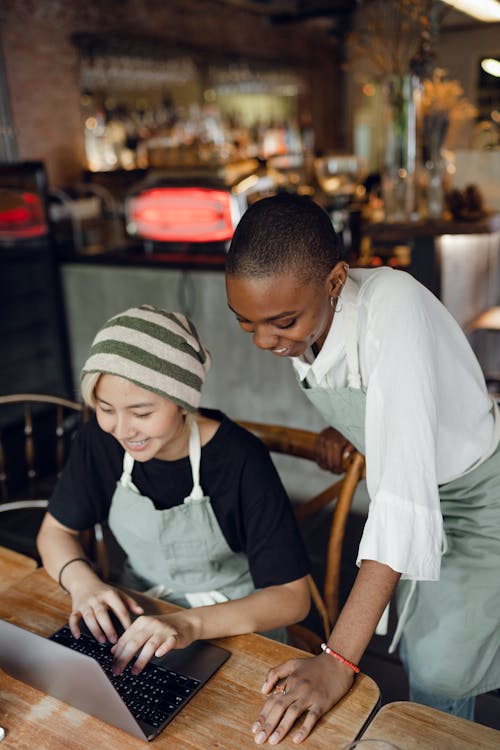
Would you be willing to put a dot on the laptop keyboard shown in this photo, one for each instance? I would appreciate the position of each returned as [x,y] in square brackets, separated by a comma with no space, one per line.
[151,696]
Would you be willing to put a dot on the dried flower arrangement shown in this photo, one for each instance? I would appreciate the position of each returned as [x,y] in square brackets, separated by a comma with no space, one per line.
[443,101]
[395,37]
[393,43]
[447,96]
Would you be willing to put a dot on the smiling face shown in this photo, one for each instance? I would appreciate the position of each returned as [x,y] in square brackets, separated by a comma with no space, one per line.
[285,314]
[146,425]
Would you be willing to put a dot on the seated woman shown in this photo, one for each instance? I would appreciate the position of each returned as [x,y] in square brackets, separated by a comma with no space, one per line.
[192,498]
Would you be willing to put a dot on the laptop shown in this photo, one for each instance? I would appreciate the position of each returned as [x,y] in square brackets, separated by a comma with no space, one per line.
[78,672]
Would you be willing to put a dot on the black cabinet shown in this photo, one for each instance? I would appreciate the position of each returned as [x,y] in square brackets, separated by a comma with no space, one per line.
[34,347]
[32,327]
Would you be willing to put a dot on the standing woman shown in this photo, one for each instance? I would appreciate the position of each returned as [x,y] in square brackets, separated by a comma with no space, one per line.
[391,371]
[192,498]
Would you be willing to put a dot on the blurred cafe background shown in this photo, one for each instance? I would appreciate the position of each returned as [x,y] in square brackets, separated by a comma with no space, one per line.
[134,134]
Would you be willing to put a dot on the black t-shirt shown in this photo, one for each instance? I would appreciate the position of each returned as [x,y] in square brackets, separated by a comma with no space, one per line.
[236,472]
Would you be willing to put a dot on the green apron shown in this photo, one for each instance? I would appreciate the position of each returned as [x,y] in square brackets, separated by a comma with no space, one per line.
[451,626]
[179,554]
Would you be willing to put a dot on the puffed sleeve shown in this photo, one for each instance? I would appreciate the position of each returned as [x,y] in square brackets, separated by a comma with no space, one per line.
[404,528]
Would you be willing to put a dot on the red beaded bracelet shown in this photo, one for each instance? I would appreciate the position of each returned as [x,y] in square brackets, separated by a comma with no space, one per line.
[340,658]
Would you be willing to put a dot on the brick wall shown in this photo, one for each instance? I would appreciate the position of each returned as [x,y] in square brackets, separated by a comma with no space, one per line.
[42,63]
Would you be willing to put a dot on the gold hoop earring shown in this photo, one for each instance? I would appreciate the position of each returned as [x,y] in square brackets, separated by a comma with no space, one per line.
[338,305]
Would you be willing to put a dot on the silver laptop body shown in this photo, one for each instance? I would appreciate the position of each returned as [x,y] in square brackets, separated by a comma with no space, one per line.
[80,681]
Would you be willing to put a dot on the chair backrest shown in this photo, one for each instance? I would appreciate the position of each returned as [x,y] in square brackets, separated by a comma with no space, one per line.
[303,444]
[35,431]
[35,436]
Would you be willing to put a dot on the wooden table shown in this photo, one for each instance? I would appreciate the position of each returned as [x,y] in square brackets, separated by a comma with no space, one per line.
[411,726]
[219,716]
[14,567]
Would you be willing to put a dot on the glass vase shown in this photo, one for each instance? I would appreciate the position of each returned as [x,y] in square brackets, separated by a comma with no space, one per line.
[435,187]
[399,177]
[435,128]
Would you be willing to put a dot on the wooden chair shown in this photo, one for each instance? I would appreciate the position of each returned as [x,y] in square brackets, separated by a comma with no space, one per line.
[302,444]
[35,435]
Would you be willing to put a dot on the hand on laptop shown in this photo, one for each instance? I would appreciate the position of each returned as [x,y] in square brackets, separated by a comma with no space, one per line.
[95,602]
[153,636]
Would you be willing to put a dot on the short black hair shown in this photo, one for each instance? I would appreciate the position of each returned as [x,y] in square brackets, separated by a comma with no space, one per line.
[285,233]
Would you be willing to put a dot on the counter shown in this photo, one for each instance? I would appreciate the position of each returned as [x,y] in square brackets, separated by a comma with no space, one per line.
[460,262]
[457,260]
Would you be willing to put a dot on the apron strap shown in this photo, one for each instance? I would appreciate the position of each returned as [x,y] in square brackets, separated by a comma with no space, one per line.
[403,617]
[349,298]
[126,477]
[205,598]
[195,458]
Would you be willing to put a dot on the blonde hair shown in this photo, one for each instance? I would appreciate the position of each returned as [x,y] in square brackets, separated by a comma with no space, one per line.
[88,386]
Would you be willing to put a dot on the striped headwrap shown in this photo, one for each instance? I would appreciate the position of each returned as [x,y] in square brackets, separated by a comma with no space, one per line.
[155,349]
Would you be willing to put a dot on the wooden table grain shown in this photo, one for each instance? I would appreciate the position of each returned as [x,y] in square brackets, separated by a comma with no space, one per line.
[411,726]
[13,567]
[218,717]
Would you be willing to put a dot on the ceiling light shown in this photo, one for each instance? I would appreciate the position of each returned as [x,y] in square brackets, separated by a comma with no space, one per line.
[484,10]
[491,66]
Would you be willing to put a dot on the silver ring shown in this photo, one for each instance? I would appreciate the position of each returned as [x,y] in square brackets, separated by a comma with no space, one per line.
[280,690]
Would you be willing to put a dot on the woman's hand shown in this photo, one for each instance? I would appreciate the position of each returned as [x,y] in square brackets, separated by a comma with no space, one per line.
[92,601]
[333,450]
[153,636]
[302,687]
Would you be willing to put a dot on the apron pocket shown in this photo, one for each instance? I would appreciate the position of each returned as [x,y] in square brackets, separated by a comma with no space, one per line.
[190,564]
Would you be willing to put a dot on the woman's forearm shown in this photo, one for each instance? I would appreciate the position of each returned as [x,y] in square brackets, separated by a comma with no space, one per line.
[369,596]
[314,685]
[263,610]
[58,545]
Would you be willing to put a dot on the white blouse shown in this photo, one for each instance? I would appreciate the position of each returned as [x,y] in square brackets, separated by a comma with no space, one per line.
[428,415]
